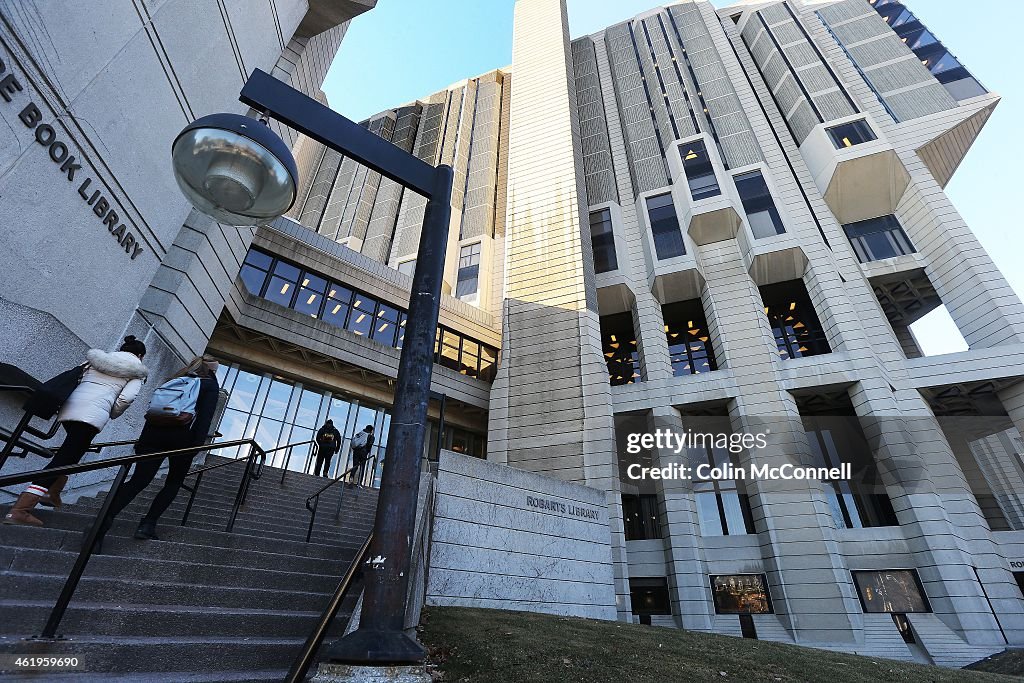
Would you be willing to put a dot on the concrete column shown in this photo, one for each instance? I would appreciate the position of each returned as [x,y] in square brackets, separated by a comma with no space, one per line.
[687,572]
[552,404]
[942,523]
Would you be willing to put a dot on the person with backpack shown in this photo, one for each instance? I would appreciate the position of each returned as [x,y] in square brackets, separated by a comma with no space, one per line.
[179,416]
[108,384]
[328,440]
[361,445]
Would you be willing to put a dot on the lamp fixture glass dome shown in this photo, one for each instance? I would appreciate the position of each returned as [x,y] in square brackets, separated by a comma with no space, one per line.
[235,169]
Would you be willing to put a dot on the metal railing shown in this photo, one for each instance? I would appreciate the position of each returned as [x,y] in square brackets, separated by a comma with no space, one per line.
[13,438]
[313,501]
[300,667]
[96,531]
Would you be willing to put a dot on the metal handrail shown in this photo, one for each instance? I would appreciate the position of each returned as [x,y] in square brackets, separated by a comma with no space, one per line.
[300,667]
[313,501]
[96,531]
[13,438]
[251,474]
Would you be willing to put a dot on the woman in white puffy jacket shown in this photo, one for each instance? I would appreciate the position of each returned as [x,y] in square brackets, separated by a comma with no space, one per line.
[109,384]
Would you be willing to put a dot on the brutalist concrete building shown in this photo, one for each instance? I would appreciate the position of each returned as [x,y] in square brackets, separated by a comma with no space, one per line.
[698,219]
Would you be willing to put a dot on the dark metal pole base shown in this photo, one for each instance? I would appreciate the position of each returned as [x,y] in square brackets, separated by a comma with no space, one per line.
[378,648]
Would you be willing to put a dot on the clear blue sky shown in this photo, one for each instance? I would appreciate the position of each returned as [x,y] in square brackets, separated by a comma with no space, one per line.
[404,49]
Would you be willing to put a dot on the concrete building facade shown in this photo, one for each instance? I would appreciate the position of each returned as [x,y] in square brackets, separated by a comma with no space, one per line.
[696,220]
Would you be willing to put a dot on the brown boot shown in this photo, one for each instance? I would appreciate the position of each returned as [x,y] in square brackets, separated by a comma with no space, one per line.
[52,497]
[19,514]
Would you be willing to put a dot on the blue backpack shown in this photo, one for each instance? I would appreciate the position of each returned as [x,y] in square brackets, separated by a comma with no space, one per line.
[174,402]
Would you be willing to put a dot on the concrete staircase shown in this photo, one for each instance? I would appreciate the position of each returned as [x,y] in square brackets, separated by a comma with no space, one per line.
[197,605]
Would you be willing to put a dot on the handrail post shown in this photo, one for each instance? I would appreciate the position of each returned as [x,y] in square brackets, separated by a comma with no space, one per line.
[57,614]
[242,489]
[15,436]
[191,498]
[341,497]
[287,461]
[312,517]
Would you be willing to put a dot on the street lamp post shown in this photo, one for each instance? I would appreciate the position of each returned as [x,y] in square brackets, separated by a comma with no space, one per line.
[232,171]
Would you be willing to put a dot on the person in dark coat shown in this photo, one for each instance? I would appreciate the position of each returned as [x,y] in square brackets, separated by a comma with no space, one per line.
[157,437]
[328,440]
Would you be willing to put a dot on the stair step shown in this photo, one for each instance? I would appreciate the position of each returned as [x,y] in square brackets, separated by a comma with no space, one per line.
[198,536]
[26,617]
[128,549]
[14,585]
[198,605]
[59,563]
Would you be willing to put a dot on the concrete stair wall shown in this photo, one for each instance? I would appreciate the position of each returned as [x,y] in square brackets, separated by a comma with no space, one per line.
[199,604]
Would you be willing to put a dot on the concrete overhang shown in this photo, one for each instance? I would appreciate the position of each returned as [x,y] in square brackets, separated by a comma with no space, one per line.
[324,15]
[771,265]
[943,153]
[712,220]
[678,285]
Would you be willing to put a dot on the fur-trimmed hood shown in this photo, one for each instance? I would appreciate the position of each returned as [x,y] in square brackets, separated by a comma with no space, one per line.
[117,364]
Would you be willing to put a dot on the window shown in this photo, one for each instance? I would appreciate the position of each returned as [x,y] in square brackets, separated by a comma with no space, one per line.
[602,240]
[407,267]
[254,271]
[640,517]
[762,216]
[891,590]
[469,270]
[283,283]
[360,320]
[618,341]
[850,134]
[339,302]
[334,303]
[933,55]
[741,594]
[797,330]
[723,509]
[649,596]
[668,239]
[878,238]
[386,325]
[688,343]
[862,501]
[448,354]
[311,295]
[700,174]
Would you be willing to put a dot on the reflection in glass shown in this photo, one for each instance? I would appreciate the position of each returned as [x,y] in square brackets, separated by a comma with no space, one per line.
[741,594]
[890,590]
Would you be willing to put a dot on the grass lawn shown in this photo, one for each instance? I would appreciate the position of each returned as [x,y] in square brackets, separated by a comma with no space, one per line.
[493,646]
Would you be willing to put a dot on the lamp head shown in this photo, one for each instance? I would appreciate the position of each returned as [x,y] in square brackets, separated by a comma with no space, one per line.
[235,169]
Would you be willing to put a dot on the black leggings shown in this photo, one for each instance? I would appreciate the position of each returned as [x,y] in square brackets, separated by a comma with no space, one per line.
[79,437]
[143,474]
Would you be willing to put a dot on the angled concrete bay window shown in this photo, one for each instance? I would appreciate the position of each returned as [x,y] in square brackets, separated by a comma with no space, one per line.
[689,343]
[602,241]
[668,237]
[619,345]
[762,216]
[700,173]
[878,238]
[851,133]
[798,331]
